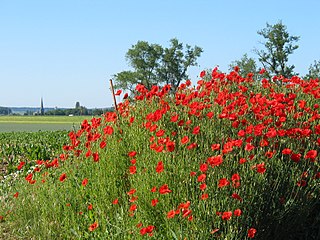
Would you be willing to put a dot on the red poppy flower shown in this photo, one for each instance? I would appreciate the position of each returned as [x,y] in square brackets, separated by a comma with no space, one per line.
[29,177]
[118,92]
[21,164]
[185,140]
[251,232]
[133,199]
[160,133]
[95,157]
[203,186]
[249,147]
[103,144]
[84,182]
[16,195]
[295,157]
[192,146]
[226,215]
[132,154]
[154,202]
[210,115]
[237,212]
[202,177]
[286,151]
[62,177]
[302,183]
[133,207]
[93,226]
[88,153]
[171,214]
[159,167]
[196,130]
[186,212]
[236,196]
[242,160]
[174,118]
[170,146]
[269,154]
[132,191]
[132,169]
[164,189]
[203,167]
[215,160]
[312,154]
[235,177]
[261,168]
[108,130]
[203,73]
[262,71]
[223,182]
[204,196]
[116,201]
[264,143]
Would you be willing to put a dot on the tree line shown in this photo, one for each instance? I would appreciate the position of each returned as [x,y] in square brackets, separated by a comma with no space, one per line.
[5,111]
[153,64]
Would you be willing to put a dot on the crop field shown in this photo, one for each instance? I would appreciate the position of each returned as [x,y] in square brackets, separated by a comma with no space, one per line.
[39,123]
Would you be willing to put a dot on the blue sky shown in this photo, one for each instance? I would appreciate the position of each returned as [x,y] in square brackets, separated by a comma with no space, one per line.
[67,50]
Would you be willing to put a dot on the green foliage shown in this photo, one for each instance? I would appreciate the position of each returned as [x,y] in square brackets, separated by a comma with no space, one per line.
[79,111]
[16,147]
[247,65]
[5,111]
[279,44]
[314,70]
[154,65]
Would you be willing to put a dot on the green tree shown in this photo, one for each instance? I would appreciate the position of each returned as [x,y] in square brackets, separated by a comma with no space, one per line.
[5,111]
[144,58]
[175,63]
[154,65]
[314,70]
[279,44]
[246,64]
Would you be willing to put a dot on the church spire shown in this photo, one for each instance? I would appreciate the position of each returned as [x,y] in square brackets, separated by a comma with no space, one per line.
[41,107]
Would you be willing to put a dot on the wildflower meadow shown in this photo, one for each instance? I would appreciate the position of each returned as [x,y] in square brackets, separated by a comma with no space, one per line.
[229,158]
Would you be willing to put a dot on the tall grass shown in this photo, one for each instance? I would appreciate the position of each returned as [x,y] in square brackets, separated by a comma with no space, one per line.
[226,159]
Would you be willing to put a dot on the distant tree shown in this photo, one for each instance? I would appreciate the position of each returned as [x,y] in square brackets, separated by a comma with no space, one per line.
[5,111]
[314,70]
[154,65]
[279,44]
[97,112]
[247,65]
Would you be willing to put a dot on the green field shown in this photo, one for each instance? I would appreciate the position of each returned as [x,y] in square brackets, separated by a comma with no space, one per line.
[39,123]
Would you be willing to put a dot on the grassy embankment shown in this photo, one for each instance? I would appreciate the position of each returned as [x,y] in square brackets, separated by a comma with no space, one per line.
[229,159]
